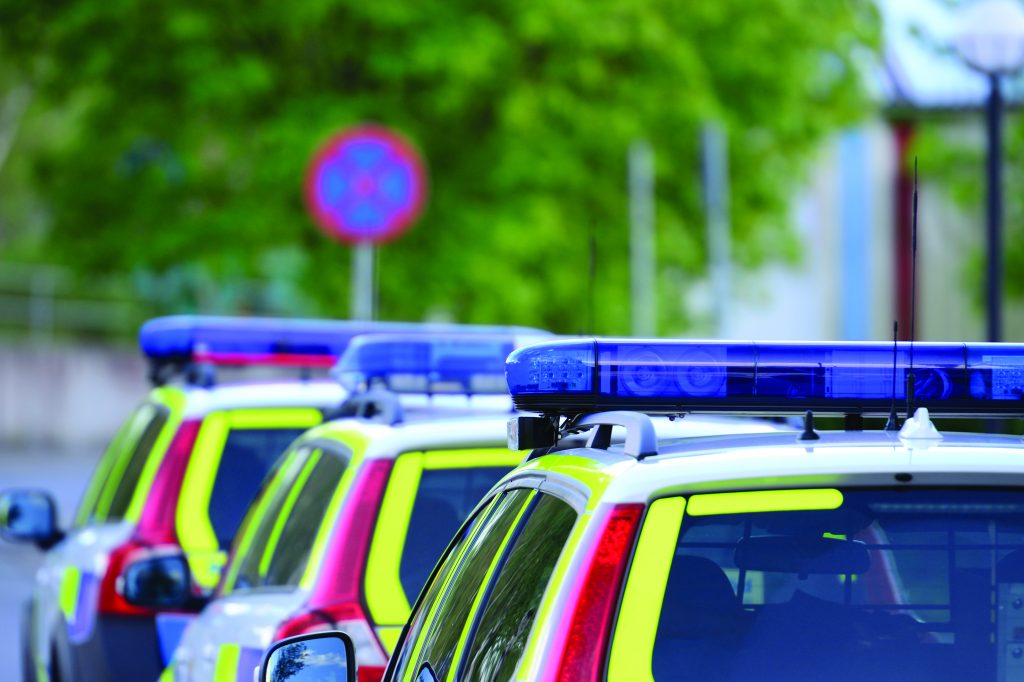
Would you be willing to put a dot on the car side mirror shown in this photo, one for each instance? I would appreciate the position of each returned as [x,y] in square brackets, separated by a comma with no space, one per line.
[317,657]
[159,581]
[29,516]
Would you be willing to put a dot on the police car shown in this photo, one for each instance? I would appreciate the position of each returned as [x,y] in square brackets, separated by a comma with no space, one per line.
[359,508]
[843,555]
[177,478]
[366,504]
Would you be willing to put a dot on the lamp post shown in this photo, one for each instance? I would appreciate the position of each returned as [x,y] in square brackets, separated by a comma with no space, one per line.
[990,39]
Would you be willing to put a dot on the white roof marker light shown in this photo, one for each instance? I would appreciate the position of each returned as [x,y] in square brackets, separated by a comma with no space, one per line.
[657,376]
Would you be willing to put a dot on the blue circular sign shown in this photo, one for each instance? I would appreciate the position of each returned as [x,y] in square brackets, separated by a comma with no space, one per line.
[366,184]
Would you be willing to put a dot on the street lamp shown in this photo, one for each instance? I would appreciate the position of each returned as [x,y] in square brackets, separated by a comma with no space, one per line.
[990,39]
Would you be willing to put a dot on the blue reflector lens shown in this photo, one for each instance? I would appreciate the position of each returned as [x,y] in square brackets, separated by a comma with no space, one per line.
[251,340]
[443,363]
[679,376]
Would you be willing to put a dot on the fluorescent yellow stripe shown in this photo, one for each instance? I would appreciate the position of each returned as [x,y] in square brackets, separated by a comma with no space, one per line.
[286,510]
[485,514]
[461,645]
[192,519]
[275,418]
[174,400]
[227,663]
[70,583]
[254,518]
[384,592]
[764,501]
[357,443]
[389,637]
[583,470]
[469,459]
[168,674]
[637,626]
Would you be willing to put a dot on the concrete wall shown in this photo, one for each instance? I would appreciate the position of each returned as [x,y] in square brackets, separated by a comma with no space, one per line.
[66,396]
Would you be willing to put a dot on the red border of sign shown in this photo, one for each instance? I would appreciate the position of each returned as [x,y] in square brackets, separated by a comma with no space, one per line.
[405,150]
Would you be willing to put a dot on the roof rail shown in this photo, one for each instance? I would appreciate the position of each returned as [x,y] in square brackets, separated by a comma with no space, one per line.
[376,404]
[641,440]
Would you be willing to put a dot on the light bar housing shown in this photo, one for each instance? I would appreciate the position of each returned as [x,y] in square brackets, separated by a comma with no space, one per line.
[672,377]
[283,342]
[436,363]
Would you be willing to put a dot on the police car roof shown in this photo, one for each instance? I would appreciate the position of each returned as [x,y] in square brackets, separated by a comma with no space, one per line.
[780,460]
[201,401]
[457,429]
[386,441]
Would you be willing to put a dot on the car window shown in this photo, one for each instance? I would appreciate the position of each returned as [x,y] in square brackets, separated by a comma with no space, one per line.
[291,550]
[444,498]
[247,457]
[127,451]
[450,599]
[513,598]
[93,491]
[250,557]
[919,584]
[136,460]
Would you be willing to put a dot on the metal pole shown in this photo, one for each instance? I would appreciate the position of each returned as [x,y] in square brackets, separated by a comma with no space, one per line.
[716,203]
[993,115]
[641,239]
[42,292]
[362,281]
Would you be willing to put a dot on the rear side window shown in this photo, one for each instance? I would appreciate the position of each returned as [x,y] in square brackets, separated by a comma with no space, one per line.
[511,604]
[444,499]
[248,455]
[292,549]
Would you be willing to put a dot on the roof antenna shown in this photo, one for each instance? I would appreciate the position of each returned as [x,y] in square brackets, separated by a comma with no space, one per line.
[893,423]
[913,298]
[809,432]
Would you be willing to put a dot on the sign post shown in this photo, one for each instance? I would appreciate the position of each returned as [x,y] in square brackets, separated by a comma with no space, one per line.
[365,186]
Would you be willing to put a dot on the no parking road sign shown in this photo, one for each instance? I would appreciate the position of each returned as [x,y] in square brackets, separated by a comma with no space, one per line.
[366,185]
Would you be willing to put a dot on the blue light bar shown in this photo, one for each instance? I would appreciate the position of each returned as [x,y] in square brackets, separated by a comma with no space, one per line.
[658,376]
[275,341]
[442,363]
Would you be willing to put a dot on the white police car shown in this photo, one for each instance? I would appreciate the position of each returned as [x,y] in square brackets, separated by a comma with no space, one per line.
[841,555]
[231,394]
[348,530]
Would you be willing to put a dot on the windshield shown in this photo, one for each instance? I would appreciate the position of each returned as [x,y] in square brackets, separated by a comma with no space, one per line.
[887,585]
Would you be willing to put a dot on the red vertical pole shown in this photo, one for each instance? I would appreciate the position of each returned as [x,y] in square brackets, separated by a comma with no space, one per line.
[903,188]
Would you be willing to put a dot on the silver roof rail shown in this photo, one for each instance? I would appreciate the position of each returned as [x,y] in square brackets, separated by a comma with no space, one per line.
[641,440]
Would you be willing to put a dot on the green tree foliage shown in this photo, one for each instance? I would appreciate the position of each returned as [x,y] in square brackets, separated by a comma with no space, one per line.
[198,117]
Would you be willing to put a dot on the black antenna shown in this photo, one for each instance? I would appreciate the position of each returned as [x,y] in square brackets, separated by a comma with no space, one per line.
[893,423]
[913,298]
[587,328]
